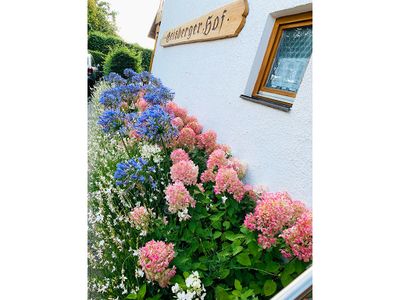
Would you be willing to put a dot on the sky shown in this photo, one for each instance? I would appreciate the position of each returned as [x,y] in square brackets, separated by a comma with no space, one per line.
[134,19]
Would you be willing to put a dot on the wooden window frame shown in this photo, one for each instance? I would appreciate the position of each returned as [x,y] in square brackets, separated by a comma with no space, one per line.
[299,20]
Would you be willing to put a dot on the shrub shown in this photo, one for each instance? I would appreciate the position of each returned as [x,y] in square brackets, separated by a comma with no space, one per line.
[170,217]
[98,58]
[102,42]
[120,58]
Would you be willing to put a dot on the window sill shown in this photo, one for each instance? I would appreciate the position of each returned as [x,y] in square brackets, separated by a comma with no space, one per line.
[268,102]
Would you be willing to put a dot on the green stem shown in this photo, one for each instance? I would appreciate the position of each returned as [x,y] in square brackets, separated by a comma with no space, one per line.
[126,148]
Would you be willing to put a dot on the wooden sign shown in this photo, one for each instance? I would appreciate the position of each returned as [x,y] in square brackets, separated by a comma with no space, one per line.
[224,22]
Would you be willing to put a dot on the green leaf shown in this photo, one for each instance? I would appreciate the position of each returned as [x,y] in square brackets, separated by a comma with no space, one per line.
[230,235]
[142,292]
[244,259]
[290,268]
[217,217]
[216,225]
[221,294]
[207,281]
[236,293]
[236,249]
[247,294]
[226,224]
[217,234]
[186,274]
[238,285]
[223,273]
[300,266]
[286,279]
[272,267]
[269,287]
[131,296]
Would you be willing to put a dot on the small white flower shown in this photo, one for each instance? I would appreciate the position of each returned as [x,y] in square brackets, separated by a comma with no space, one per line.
[224,198]
[139,272]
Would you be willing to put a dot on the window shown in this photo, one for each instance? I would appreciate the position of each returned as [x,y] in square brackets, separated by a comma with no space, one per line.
[286,59]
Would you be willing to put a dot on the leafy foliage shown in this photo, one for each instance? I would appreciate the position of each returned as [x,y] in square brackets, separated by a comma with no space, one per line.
[120,58]
[104,43]
[101,17]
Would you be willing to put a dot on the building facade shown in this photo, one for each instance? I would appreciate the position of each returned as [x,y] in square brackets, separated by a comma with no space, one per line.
[254,90]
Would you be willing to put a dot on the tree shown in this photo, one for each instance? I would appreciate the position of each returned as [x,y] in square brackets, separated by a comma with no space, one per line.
[101,17]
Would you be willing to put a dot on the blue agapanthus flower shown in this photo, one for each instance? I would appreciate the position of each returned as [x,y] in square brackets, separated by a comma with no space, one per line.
[110,98]
[112,121]
[159,95]
[154,124]
[132,76]
[115,78]
[134,171]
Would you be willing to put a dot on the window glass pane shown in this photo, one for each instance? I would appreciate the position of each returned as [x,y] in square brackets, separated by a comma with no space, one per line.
[291,59]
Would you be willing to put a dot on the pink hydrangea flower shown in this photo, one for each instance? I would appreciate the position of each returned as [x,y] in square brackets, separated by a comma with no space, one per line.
[238,166]
[185,171]
[224,148]
[179,155]
[177,122]
[186,138]
[227,180]
[277,215]
[141,104]
[217,159]
[197,128]
[299,237]
[178,197]
[208,175]
[140,218]
[190,119]
[207,141]
[154,259]
[174,110]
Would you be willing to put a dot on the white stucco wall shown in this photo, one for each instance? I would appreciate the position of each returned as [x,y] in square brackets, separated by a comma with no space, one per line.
[209,77]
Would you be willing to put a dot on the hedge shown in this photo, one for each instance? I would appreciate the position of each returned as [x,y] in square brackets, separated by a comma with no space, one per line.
[104,43]
[120,58]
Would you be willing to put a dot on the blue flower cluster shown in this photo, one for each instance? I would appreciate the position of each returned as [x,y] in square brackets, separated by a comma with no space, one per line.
[115,78]
[159,95]
[110,98]
[114,121]
[134,171]
[154,124]
[111,121]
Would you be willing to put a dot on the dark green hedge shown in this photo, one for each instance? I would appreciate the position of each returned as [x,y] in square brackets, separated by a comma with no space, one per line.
[101,42]
[104,43]
[120,58]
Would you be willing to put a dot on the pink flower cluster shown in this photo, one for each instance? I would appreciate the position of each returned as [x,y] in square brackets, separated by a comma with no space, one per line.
[227,180]
[185,171]
[299,237]
[140,218]
[178,197]
[154,259]
[277,215]
[178,155]
[226,173]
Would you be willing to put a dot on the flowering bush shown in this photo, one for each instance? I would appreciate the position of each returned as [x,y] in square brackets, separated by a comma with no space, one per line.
[169,214]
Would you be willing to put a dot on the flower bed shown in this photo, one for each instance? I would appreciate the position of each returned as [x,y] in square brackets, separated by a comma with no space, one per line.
[169,214]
